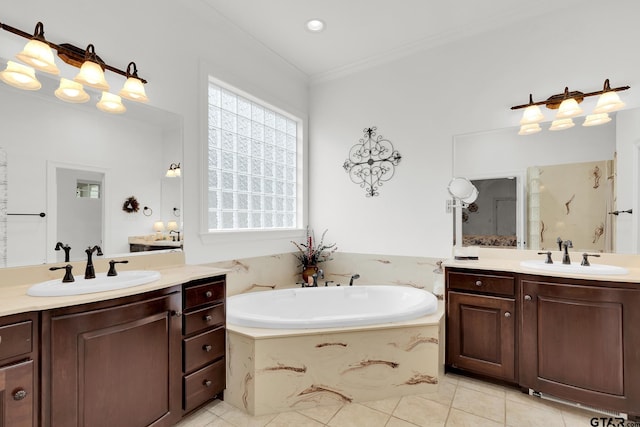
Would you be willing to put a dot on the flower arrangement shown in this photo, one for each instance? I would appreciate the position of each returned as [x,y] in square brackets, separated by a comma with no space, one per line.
[310,255]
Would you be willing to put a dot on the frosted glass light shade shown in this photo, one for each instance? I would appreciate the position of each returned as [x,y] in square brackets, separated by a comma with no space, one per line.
[70,91]
[111,103]
[20,76]
[158,226]
[596,119]
[133,90]
[91,74]
[568,108]
[528,129]
[532,114]
[172,226]
[561,124]
[461,188]
[40,56]
[608,102]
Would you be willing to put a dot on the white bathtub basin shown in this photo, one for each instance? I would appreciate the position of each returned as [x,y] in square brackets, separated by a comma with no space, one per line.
[574,268]
[102,283]
[329,307]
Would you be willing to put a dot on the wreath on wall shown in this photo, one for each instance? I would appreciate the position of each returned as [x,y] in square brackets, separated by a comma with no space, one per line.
[131,205]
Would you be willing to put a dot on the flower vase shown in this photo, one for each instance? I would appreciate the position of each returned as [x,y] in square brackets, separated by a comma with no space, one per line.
[309,270]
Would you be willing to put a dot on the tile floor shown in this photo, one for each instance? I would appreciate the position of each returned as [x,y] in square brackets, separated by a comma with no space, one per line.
[460,401]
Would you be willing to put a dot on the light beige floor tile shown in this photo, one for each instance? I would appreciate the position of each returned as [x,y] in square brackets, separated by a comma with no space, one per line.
[458,418]
[451,378]
[219,422]
[293,419]
[523,415]
[479,403]
[219,407]
[421,411]
[577,418]
[321,413]
[356,415]
[397,422]
[483,386]
[241,419]
[386,405]
[444,395]
[526,399]
[199,418]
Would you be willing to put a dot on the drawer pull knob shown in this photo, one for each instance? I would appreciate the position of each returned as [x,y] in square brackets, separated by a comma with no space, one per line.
[19,395]
[527,297]
[207,383]
[478,282]
[507,314]
[207,347]
[208,294]
[208,318]
[175,313]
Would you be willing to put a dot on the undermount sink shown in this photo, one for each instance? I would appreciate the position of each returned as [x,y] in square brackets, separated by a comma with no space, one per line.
[102,283]
[574,268]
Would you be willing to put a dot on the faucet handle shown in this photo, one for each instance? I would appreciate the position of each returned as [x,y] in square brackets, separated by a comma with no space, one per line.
[548,254]
[585,259]
[112,267]
[68,277]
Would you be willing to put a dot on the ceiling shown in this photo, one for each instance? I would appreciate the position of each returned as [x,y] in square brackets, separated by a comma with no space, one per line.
[359,33]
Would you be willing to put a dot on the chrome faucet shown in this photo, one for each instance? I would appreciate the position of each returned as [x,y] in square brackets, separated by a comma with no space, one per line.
[89,271]
[565,257]
[65,248]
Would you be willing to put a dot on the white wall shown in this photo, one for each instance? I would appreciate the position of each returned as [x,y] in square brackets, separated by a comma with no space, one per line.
[421,101]
[627,185]
[173,44]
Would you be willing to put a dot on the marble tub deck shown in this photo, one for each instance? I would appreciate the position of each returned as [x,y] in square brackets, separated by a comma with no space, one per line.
[271,371]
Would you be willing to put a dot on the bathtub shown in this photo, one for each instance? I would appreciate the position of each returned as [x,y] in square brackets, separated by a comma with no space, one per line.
[329,307]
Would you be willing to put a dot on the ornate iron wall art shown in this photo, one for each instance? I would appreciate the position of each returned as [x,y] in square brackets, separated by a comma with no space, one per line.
[372,162]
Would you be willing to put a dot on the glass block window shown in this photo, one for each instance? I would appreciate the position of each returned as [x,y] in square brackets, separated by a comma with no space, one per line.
[252,163]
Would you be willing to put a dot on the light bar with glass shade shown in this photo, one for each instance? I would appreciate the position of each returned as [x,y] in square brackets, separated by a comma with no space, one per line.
[567,104]
[20,76]
[173,171]
[38,55]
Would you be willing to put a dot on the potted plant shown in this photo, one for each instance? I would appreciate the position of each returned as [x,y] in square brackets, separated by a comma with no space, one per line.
[310,255]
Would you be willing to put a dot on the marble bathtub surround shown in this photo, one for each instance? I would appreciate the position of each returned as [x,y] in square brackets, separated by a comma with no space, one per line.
[278,271]
[281,370]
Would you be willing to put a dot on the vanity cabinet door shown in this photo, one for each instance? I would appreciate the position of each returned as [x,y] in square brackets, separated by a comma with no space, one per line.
[17,396]
[580,342]
[481,334]
[117,365]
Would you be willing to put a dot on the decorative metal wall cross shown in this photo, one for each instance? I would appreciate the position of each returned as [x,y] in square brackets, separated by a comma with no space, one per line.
[372,161]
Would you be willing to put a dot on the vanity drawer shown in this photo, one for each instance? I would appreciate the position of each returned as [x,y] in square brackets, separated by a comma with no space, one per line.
[203,293]
[502,285]
[15,339]
[203,319]
[203,385]
[203,348]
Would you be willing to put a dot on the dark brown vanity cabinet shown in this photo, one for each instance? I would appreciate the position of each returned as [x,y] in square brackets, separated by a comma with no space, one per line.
[18,370]
[481,323]
[113,363]
[203,341]
[580,340]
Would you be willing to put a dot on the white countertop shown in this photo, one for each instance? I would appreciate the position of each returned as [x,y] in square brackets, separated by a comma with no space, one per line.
[16,281]
[509,260]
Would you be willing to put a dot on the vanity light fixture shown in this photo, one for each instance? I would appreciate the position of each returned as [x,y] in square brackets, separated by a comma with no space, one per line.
[158,227]
[71,91]
[174,171]
[110,103]
[567,104]
[20,76]
[38,54]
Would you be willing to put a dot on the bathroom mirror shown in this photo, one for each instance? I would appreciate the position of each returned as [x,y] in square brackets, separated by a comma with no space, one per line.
[43,135]
[475,157]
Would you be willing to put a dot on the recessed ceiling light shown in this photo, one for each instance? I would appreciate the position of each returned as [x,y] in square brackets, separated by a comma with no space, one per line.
[315,25]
